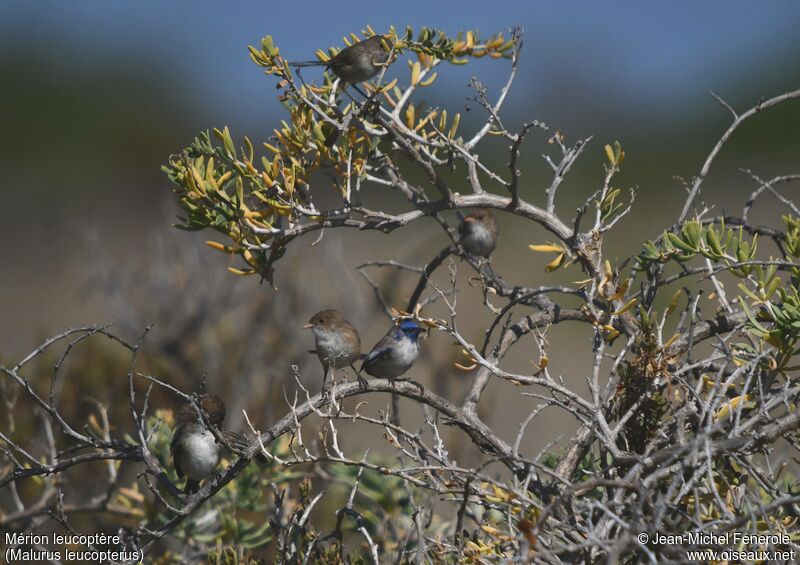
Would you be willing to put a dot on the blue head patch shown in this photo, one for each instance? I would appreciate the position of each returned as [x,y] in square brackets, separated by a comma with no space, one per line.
[409,327]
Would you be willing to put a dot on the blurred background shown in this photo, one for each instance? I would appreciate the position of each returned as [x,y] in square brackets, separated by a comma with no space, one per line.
[95,96]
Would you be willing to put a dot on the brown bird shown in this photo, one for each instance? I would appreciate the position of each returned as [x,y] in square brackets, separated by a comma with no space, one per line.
[478,233]
[358,62]
[194,449]
[337,340]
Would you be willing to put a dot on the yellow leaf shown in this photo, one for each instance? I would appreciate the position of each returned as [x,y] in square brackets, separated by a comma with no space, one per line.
[495,43]
[628,305]
[505,495]
[388,87]
[472,547]
[729,407]
[317,129]
[255,55]
[671,340]
[416,69]
[428,81]
[548,248]
[622,290]
[248,256]
[241,273]
[425,59]
[219,246]
[610,154]
[389,98]
[674,302]
[240,192]
[554,264]
[425,120]
[250,169]
[410,116]
[454,126]
[198,179]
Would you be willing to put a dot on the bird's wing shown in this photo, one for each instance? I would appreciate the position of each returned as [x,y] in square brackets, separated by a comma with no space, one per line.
[174,451]
[381,351]
[239,441]
[464,228]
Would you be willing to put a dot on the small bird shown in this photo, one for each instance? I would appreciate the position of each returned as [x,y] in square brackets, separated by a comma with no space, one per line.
[478,232]
[358,62]
[395,353]
[337,341]
[194,449]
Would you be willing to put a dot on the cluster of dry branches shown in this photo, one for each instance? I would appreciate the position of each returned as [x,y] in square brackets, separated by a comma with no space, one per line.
[686,422]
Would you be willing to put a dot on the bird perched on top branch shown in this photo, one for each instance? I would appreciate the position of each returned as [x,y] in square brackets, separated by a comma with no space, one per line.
[358,62]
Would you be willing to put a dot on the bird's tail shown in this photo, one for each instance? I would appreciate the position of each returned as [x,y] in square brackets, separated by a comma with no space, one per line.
[308,64]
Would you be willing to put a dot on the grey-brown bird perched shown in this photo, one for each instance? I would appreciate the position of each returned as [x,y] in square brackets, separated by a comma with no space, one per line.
[478,233]
[358,62]
[337,341]
[194,449]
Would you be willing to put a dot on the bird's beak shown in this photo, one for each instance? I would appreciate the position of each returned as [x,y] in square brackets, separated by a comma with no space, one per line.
[308,326]
[469,219]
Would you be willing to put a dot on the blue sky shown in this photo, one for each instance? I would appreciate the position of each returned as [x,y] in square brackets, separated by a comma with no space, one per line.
[646,50]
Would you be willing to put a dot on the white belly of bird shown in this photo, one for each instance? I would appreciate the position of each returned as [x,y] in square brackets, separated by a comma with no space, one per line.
[201,455]
[405,354]
[332,349]
[478,240]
